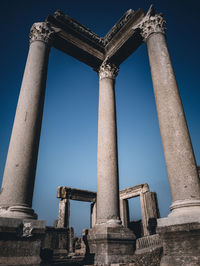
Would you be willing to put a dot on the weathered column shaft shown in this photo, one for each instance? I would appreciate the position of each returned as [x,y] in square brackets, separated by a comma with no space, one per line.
[144,214]
[93,214]
[107,161]
[19,174]
[124,212]
[64,213]
[178,151]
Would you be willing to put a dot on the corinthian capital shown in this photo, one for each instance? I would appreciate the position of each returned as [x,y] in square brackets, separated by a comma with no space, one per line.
[152,23]
[41,31]
[108,70]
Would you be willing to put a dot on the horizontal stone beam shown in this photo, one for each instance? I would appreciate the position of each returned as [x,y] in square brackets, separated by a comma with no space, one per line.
[76,40]
[134,191]
[81,43]
[90,196]
[76,194]
[126,40]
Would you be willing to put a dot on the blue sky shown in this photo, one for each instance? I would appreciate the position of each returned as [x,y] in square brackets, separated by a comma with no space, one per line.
[68,146]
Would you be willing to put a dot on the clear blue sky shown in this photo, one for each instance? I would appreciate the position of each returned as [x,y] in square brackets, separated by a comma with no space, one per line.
[68,146]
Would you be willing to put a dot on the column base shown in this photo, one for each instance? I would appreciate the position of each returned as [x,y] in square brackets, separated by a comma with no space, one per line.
[18,212]
[182,212]
[111,243]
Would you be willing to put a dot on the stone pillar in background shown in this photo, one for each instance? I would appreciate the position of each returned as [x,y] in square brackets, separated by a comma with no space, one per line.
[178,151]
[93,215]
[107,161]
[64,213]
[19,175]
[144,214]
[124,212]
[180,231]
[152,205]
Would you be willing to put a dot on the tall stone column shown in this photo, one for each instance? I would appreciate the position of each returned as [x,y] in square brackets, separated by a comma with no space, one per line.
[108,239]
[178,151]
[107,161]
[19,174]
[180,231]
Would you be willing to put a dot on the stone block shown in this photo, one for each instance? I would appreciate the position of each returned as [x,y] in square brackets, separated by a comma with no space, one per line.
[181,244]
[111,244]
[20,241]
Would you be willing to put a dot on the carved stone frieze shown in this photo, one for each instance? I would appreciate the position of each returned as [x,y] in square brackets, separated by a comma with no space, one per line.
[108,70]
[41,31]
[78,27]
[127,16]
[152,23]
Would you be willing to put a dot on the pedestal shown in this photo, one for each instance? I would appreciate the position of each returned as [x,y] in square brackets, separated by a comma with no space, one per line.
[181,243]
[111,244]
[20,241]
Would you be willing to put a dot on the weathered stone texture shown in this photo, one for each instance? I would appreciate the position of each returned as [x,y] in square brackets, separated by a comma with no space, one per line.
[181,244]
[20,244]
[26,242]
[19,174]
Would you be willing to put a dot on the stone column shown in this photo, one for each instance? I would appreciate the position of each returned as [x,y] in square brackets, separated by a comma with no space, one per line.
[124,212]
[64,213]
[107,161]
[144,214]
[93,214]
[178,151]
[19,175]
[109,240]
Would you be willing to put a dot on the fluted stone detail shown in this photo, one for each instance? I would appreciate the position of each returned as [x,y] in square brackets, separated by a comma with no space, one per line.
[41,31]
[108,70]
[152,23]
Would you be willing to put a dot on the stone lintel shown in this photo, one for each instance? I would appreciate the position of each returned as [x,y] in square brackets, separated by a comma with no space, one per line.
[76,40]
[81,43]
[117,27]
[76,194]
[126,40]
[90,196]
[134,191]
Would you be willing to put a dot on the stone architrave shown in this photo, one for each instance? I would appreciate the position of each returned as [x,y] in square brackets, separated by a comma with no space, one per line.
[19,175]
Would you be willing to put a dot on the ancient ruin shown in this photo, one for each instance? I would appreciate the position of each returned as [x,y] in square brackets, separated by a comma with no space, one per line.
[112,238]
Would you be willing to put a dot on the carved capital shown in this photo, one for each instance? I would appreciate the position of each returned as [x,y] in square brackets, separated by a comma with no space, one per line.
[41,31]
[152,23]
[108,70]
